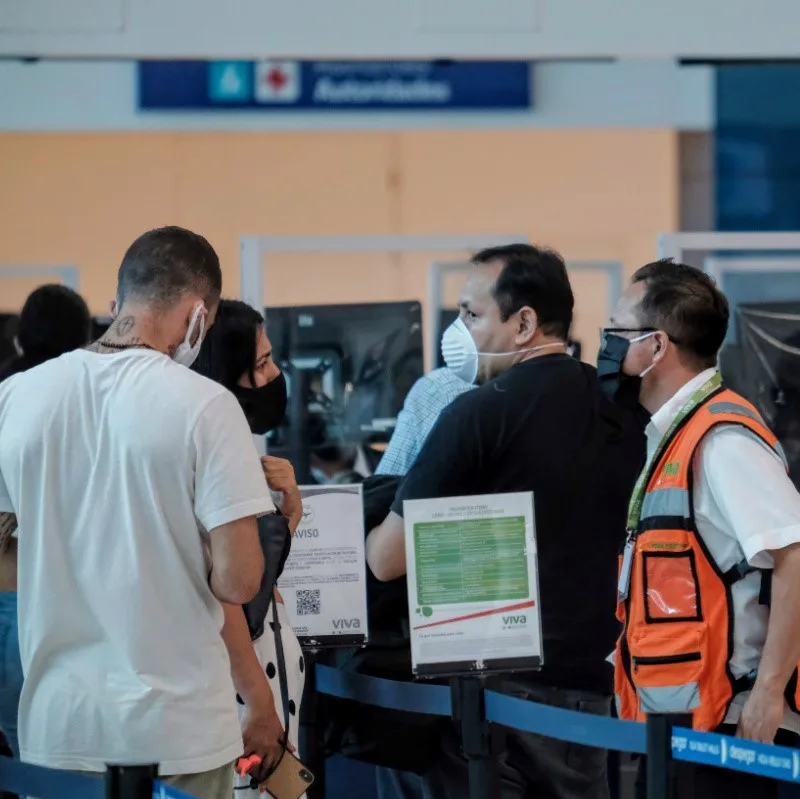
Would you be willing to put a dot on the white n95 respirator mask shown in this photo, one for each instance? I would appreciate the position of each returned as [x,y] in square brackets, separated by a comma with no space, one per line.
[461,355]
[459,351]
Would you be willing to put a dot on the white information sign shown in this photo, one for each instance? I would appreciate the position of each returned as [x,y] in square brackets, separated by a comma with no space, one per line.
[324,581]
[473,584]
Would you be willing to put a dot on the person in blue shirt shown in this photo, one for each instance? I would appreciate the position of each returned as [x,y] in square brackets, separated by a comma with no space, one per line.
[428,397]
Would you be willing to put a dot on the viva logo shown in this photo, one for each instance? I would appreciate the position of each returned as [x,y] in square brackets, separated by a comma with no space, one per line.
[515,621]
[346,624]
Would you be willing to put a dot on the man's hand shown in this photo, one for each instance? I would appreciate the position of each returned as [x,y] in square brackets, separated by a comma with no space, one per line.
[262,734]
[280,477]
[762,714]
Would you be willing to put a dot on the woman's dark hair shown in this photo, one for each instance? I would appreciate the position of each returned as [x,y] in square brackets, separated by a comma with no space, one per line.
[54,320]
[229,348]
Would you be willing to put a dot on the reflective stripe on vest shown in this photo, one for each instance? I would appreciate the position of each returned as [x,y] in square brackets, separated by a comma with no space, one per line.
[666,502]
[734,408]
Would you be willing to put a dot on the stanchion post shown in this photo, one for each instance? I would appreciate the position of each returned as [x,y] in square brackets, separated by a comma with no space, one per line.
[469,711]
[660,779]
[310,737]
[130,782]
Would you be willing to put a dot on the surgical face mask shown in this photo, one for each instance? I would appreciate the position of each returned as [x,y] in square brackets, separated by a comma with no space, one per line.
[610,359]
[461,355]
[186,353]
[265,406]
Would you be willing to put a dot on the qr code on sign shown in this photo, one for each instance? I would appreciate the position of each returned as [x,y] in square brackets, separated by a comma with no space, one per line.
[308,603]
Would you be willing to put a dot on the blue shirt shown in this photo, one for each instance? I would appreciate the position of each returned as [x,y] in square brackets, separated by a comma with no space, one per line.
[428,397]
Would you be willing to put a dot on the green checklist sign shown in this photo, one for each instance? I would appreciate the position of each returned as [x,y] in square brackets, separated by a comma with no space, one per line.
[475,560]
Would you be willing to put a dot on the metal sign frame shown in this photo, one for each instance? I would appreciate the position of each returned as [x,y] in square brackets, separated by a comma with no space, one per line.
[67,274]
[716,266]
[674,245]
[438,270]
[255,252]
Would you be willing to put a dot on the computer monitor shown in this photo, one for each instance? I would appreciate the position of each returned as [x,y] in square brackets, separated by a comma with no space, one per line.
[359,361]
[448,315]
[99,326]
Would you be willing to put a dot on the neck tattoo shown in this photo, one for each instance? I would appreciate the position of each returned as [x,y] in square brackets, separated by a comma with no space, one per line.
[129,345]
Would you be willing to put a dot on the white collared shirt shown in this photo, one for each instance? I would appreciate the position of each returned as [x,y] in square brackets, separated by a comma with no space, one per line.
[745,506]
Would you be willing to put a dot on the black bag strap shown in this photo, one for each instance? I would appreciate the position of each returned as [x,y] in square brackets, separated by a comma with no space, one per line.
[257,778]
[282,678]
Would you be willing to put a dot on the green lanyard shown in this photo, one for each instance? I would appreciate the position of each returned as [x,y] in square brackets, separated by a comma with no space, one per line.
[637,499]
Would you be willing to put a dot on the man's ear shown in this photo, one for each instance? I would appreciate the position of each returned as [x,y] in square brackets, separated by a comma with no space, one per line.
[112,307]
[528,325]
[17,346]
[661,343]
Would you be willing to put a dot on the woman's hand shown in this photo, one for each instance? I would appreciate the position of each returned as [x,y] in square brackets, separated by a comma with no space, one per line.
[280,477]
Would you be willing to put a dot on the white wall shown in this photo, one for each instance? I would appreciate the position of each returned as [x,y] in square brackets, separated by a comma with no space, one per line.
[97,95]
[397,29]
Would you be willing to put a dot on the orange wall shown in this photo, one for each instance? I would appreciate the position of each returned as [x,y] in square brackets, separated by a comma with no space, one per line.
[82,198]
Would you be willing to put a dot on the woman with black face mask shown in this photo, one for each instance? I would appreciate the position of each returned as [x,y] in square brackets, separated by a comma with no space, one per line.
[237,353]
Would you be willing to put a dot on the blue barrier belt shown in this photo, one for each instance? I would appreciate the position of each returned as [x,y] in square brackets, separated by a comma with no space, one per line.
[710,749]
[162,791]
[413,697]
[565,725]
[25,779]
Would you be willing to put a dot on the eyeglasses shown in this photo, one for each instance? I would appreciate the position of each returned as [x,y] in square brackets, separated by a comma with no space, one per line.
[640,330]
[628,330]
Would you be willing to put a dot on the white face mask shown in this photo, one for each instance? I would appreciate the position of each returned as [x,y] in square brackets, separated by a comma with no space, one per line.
[461,355]
[186,353]
[642,338]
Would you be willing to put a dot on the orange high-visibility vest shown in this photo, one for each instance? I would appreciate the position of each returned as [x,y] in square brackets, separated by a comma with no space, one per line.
[673,655]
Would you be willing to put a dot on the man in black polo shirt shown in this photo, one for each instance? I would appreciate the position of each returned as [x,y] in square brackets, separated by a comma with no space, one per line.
[539,422]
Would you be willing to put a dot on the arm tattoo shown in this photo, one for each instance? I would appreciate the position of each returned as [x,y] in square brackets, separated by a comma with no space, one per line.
[8,524]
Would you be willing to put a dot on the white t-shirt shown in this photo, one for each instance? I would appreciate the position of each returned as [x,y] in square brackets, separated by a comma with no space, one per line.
[117,466]
[745,506]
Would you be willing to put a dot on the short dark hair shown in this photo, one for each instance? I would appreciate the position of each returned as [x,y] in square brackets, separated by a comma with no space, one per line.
[229,348]
[166,262]
[54,320]
[536,277]
[687,305]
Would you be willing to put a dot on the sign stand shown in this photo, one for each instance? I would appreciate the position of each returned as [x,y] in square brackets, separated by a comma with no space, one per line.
[310,736]
[477,738]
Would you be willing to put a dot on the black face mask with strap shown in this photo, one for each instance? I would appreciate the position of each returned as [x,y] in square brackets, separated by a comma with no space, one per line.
[616,385]
[264,407]
[610,358]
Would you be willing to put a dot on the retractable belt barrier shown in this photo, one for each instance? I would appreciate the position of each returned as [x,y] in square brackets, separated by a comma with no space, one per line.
[706,748]
[775,762]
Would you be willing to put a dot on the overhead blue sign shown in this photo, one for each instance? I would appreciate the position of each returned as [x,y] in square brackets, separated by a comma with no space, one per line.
[339,85]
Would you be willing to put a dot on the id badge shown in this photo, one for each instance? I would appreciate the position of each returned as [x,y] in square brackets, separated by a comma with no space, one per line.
[625,572]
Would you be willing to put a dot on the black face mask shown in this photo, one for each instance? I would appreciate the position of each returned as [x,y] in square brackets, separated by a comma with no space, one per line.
[610,358]
[264,407]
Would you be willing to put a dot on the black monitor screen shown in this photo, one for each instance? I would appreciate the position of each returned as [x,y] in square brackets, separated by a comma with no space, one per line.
[361,361]
[448,315]
[99,326]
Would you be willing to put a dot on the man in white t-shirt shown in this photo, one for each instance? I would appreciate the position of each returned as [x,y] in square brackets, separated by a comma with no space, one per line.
[135,485]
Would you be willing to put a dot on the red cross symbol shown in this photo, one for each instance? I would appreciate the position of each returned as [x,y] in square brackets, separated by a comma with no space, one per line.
[276,79]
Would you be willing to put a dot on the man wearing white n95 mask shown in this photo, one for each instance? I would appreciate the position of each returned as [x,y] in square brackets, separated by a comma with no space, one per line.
[538,421]
[135,486]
